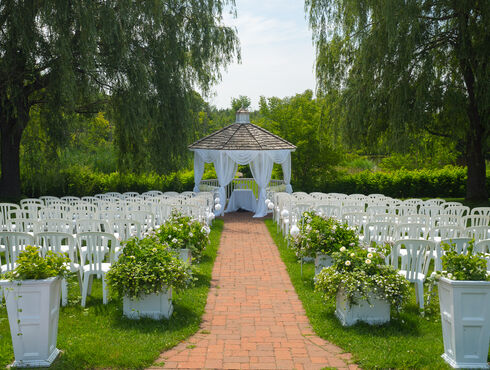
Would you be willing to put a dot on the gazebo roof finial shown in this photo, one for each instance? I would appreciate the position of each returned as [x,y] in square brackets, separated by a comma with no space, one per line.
[242,115]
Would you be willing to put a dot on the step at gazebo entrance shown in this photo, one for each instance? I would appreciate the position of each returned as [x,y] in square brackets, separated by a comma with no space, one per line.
[242,143]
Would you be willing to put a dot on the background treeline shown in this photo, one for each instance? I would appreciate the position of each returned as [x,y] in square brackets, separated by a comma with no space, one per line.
[88,161]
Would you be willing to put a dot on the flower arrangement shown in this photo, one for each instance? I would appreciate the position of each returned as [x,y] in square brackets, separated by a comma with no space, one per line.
[460,266]
[31,265]
[321,235]
[180,232]
[146,266]
[359,273]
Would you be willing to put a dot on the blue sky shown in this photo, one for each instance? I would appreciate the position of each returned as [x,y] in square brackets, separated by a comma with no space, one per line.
[277,52]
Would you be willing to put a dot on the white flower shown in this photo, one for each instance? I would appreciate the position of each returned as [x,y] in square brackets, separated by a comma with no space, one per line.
[449,276]
[154,250]
[352,254]
[351,244]
[191,235]
[369,255]
[174,240]
[342,249]
[347,263]
[368,261]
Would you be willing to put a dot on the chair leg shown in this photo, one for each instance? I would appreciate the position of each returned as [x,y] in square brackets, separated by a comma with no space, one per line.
[104,290]
[86,280]
[419,294]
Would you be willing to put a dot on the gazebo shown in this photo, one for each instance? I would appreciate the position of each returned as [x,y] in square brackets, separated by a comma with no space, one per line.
[243,143]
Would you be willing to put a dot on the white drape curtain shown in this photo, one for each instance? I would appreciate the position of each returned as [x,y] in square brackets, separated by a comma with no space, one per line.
[261,167]
[225,170]
[226,161]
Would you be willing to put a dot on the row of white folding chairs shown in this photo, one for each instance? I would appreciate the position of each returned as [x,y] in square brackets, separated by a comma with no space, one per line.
[90,253]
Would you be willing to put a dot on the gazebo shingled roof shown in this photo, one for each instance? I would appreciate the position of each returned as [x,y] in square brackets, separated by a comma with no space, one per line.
[242,136]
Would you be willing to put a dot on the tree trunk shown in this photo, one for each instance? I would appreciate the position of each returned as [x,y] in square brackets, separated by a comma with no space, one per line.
[476,183]
[10,160]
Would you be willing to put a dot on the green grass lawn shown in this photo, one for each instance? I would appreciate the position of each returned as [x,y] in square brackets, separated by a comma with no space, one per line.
[408,341]
[99,337]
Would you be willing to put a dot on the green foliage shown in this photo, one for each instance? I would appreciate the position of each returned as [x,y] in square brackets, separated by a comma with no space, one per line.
[321,235]
[139,61]
[146,266]
[359,273]
[460,266]
[31,265]
[241,101]
[179,232]
[445,182]
[301,121]
[404,70]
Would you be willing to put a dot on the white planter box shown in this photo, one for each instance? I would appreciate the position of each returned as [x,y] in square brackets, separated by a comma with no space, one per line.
[185,255]
[376,312]
[154,306]
[33,308]
[465,318]
[321,261]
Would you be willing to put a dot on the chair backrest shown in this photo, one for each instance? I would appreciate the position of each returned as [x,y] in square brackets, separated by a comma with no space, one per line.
[445,220]
[405,209]
[478,232]
[411,231]
[378,209]
[84,225]
[418,256]
[356,219]
[55,225]
[327,210]
[49,212]
[14,242]
[456,210]
[430,210]
[446,232]
[47,199]
[130,194]
[70,199]
[96,244]
[435,202]
[353,208]
[124,229]
[23,225]
[379,232]
[56,242]
[385,217]
[461,244]
[145,218]
[475,220]
[415,219]
[6,211]
[484,211]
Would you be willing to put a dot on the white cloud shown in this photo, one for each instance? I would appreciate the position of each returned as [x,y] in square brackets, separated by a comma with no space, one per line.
[277,53]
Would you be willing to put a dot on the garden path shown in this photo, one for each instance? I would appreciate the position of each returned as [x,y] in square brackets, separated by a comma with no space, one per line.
[254,318]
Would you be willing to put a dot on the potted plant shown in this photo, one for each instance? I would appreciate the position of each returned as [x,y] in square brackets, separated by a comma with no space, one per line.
[32,294]
[184,234]
[319,237]
[464,300]
[144,275]
[364,287]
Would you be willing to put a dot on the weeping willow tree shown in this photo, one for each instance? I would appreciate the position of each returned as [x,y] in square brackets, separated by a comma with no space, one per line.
[140,60]
[408,66]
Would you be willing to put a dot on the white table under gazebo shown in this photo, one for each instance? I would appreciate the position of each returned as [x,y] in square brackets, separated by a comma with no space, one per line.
[242,143]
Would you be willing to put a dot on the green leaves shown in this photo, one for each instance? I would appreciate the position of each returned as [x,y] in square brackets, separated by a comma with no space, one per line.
[32,265]
[463,266]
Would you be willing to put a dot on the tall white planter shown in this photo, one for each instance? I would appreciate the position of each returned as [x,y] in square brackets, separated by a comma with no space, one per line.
[321,261]
[185,255]
[465,318]
[33,308]
[155,306]
[376,312]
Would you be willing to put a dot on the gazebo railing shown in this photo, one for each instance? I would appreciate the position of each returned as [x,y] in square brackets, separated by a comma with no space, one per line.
[240,183]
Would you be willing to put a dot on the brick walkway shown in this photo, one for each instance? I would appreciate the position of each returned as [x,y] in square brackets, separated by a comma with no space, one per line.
[253,319]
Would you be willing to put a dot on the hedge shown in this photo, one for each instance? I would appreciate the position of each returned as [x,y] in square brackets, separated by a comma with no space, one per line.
[448,182]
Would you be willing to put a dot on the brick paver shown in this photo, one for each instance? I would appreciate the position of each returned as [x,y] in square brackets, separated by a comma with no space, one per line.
[254,318]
